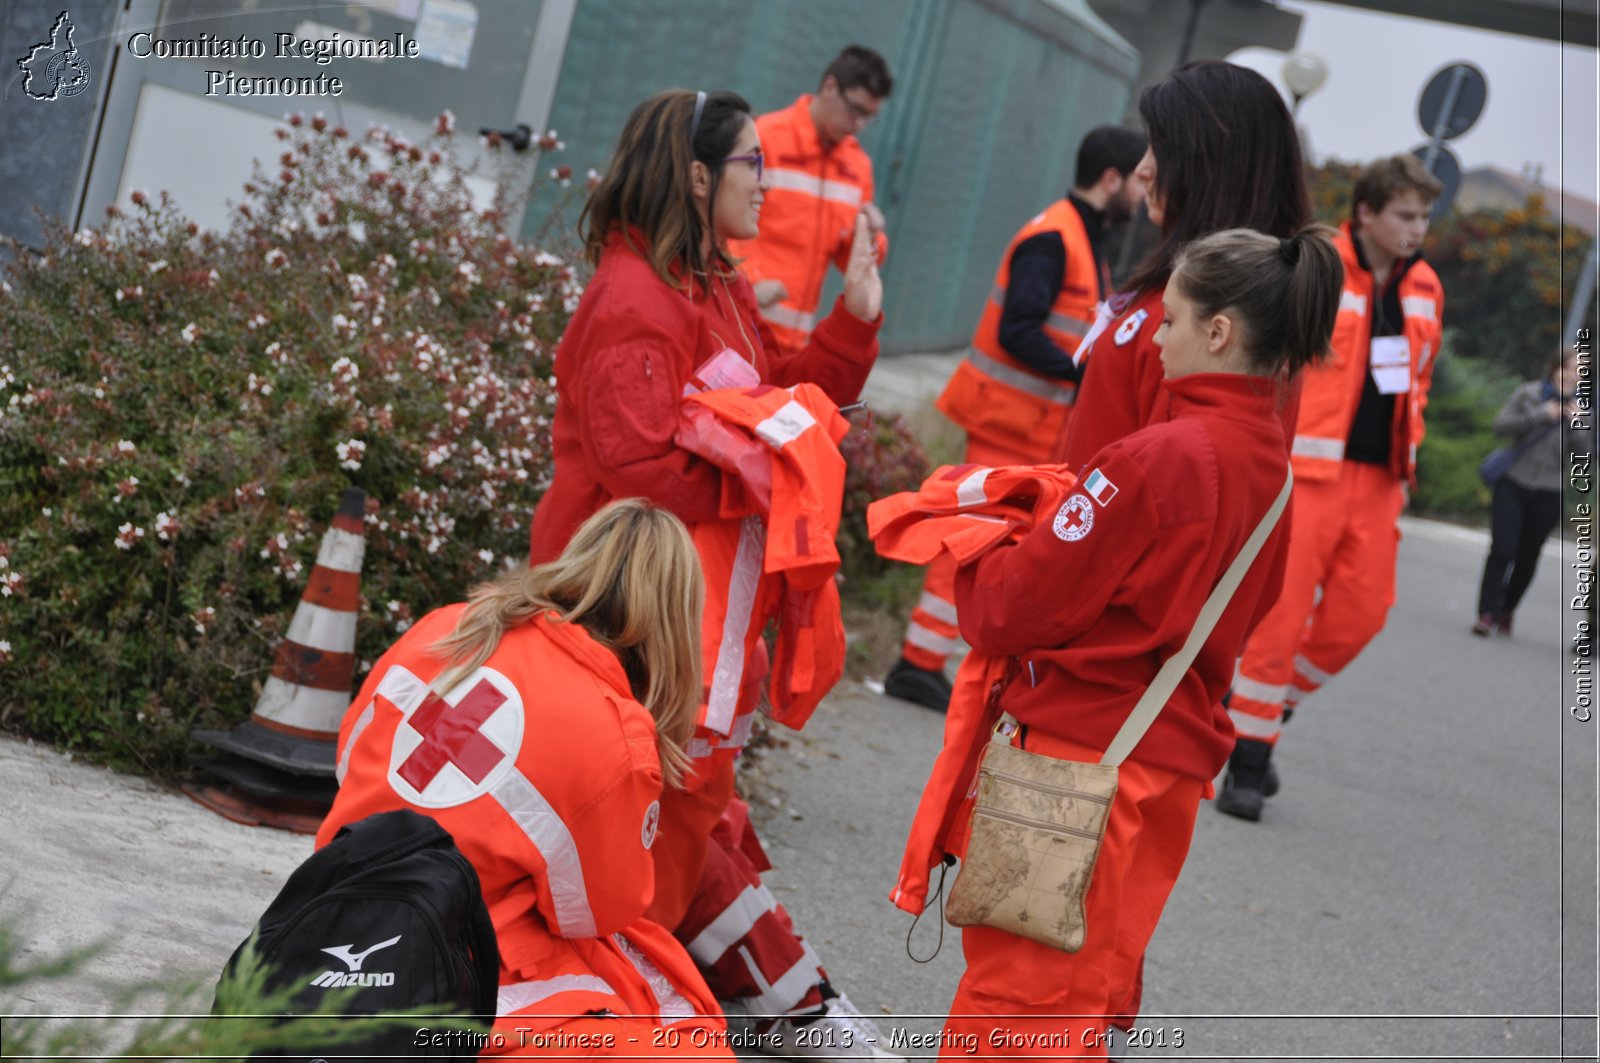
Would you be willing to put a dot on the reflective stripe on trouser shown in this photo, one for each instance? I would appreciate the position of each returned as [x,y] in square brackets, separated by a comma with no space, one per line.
[1017,994]
[934,633]
[741,938]
[1343,538]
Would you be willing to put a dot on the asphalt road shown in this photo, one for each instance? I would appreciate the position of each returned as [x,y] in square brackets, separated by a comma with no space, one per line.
[1424,886]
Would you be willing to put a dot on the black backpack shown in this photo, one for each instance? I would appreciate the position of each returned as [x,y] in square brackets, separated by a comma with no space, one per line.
[390,914]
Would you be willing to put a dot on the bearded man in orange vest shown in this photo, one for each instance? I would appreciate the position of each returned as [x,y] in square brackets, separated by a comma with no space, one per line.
[1013,392]
[821,180]
[1355,460]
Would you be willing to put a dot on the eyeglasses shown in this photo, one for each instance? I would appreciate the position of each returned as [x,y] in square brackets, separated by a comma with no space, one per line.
[856,109]
[755,158]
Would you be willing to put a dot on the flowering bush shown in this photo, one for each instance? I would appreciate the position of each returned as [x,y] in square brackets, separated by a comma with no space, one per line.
[180,409]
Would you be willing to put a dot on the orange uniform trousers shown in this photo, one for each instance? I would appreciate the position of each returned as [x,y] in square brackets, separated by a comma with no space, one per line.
[1018,997]
[1344,536]
[934,633]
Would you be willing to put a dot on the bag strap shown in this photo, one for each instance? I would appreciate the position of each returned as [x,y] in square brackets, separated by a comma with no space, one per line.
[1166,680]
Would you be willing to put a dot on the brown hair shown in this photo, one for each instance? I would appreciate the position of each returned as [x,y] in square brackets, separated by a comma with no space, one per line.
[1384,179]
[1227,157]
[648,186]
[861,68]
[631,578]
[1284,292]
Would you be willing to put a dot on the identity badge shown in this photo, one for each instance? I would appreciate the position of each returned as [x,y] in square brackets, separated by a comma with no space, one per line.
[1391,364]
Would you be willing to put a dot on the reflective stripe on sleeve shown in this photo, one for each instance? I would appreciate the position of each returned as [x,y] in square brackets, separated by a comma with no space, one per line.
[789,317]
[1349,300]
[1318,447]
[1419,306]
[812,185]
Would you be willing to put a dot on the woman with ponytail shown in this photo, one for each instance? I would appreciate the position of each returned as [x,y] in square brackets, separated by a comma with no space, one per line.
[1090,605]
[538,723]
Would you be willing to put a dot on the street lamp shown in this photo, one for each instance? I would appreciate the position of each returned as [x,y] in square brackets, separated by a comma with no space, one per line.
[1304,73]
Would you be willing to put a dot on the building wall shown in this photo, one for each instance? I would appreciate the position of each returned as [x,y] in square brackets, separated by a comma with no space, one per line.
[991,98]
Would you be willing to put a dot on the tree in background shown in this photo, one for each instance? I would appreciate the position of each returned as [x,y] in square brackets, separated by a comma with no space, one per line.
[1508,279]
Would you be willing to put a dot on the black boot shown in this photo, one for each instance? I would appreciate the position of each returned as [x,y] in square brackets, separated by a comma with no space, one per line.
[909,683]
[1244,787]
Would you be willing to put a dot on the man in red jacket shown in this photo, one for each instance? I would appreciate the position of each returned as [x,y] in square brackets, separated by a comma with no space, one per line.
[821,179]
[1355,458]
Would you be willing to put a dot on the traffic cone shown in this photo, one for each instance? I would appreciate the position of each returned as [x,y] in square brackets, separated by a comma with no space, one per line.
[282,758]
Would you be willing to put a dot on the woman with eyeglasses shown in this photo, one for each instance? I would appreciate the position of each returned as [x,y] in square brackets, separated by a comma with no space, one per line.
[668,313]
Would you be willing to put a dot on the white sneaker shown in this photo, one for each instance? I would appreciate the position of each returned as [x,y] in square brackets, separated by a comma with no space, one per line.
[841,1032]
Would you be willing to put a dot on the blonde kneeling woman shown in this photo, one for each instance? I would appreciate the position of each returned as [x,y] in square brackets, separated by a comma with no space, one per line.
[538,723]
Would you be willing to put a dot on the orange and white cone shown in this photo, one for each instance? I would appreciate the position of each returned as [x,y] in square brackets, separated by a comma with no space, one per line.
[295,726]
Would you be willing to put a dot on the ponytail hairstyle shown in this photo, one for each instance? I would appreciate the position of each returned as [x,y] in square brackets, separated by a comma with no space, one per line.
[631,578]
[648,186]
[1227,157]
[1283,294]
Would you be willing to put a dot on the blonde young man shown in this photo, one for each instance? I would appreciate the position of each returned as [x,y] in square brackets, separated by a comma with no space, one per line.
[1355,459]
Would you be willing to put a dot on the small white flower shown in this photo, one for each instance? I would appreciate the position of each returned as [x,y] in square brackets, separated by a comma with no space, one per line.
[350,452]
[125,446]
[190,331]
[486,556]
[256,322]
[158,265]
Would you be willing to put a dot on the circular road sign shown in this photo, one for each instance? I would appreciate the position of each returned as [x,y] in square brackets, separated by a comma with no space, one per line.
[1452,100]
[1446,167]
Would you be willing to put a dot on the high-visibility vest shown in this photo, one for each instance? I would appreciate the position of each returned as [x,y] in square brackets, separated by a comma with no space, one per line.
[544,769]
[1330,393]
[996,397]
[777,564]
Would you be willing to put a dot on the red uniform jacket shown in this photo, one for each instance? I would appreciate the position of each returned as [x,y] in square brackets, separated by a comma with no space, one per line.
[543,767]
[1121,388]
[1093,601]
[620,373]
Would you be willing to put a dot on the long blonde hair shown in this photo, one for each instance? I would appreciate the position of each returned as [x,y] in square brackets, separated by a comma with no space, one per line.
[631,578]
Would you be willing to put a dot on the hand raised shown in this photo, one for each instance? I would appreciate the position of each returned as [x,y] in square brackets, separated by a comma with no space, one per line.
[863,288]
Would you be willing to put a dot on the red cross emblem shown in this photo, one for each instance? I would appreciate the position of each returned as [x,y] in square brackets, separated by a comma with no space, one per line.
[451,734]
[1074,518]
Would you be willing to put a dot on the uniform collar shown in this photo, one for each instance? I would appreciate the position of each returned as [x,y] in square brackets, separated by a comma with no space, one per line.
[1232,395]
[577,643]
[810,139]
[1402,266]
